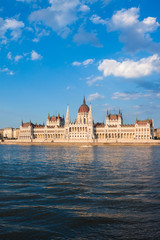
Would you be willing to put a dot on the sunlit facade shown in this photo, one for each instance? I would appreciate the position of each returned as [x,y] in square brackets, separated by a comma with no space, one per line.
[58,129]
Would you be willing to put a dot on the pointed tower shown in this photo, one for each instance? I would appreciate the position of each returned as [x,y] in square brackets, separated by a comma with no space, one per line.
[107,113]
[90,124]
[107,118]
[120,119]
[67,121]
[90,118]
[84,101]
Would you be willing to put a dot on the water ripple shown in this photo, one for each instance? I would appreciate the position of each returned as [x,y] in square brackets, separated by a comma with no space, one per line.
[79,193]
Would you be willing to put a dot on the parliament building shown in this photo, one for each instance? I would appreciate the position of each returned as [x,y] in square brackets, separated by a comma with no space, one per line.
[58,129]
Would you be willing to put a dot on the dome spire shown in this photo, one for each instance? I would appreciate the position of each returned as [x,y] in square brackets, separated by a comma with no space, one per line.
[84,101]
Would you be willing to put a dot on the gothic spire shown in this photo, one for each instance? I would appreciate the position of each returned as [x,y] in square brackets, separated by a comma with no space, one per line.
[107,112]
[67,121]
[84,101]
[90,118]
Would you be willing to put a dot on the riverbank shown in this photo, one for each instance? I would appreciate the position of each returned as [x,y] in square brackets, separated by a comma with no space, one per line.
[83,144]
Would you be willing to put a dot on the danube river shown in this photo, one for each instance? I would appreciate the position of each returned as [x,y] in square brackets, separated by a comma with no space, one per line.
[110,192]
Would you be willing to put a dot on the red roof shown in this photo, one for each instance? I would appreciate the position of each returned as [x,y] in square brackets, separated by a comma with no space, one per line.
[99,125]
[145,122]
[54,119]
[27,124]
[128,125]
[113,117]
[83,108]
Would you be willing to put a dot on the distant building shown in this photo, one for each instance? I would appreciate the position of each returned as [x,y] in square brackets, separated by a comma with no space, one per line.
[85,130]
[11,133]
[1,133]
[157,133]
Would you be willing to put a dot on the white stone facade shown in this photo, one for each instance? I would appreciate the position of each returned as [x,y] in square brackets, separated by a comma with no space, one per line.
[85,130]
[10,133]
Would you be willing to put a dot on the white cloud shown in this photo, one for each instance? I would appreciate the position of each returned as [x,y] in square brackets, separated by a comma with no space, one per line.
[98,20]
[11,26]
[126,96]
[84,37]
[129,96]
[40,33]
[124,18]
[88,61]
[68,87]
[134,34]
[84,63]
[35,56]
[84,8]
[60,15]
[130,68]
[93,80]
[9,55]
[6,70]
[27,1]
[18,57]
[158,95]
[104,2]
[95,96]
[76,63]
[11,73]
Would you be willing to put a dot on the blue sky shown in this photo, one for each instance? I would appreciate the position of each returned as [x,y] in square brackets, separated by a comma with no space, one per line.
[54,52]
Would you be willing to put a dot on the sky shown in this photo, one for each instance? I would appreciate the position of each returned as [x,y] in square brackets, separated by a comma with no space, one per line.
[55,52]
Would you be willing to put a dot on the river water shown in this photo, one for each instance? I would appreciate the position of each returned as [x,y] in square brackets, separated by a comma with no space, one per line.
[110,192]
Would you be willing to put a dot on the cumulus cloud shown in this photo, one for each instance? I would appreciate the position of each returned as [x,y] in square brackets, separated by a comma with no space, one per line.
[104,2]
[9,55]
[6,70]
[14,58]
[130,68]
[95,96]
[84,37]
[40,32]
[129,96]
[60,15]
[126,96]
[135,34]
[11,26]
[35,56]
[75,63]
[18,57]
[84,63]
[91,81]
[27,1]
[98,20]
[84,8]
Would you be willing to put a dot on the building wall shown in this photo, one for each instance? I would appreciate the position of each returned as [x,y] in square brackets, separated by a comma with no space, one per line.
[84,129]
[8,133]
[1,133]
[11,133]
[75,132]
[157,133]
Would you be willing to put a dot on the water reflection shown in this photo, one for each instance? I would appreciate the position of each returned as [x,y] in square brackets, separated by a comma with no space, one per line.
[79,193]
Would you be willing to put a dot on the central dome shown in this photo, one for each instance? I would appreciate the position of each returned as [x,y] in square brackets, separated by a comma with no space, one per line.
[83,108]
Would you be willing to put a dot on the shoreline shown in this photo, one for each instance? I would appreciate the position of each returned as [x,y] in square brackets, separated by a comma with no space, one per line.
[78,144]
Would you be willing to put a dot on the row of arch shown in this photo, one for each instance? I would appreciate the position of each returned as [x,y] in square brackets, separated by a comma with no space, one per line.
[121,135]
[78,129]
